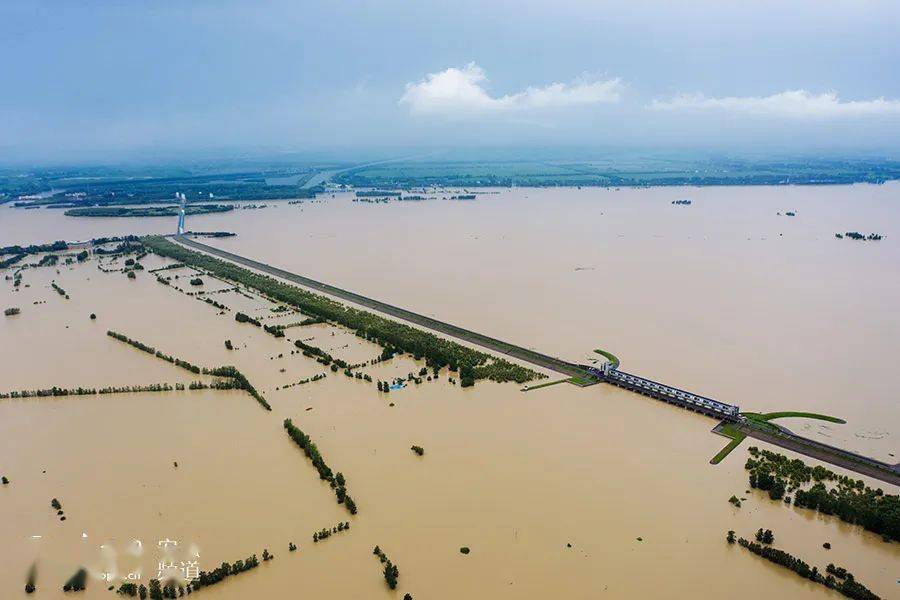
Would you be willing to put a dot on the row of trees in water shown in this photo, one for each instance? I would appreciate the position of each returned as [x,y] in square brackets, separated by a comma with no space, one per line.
[85,391]
[309,351]
[159,591]
[157,353]
[12,260]
[18,252]
[57,246]
[326,533]
[849,499]
[232,383]
[335,480]
[838,580]
[436,350]
[239,380]
[304,381]
[391,572]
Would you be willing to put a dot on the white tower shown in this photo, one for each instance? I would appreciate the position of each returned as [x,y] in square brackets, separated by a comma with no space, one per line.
[181,212]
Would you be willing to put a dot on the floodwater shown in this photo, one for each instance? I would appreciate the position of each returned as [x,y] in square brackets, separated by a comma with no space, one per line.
[723,297]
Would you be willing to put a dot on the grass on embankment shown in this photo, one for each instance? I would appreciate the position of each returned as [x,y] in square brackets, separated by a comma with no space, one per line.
[529,388]
[728,430]
[609,356]
[790,414]
[763,419]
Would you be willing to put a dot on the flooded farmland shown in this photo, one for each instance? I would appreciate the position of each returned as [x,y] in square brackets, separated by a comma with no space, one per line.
[558,492]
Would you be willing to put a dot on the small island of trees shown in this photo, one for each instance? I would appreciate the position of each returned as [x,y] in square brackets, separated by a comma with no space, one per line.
[242,318]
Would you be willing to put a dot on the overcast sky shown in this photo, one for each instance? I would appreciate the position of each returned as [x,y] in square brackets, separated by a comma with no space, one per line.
[117,77]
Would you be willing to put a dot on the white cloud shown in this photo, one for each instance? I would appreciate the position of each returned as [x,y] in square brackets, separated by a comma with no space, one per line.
[461,91]
[791,103]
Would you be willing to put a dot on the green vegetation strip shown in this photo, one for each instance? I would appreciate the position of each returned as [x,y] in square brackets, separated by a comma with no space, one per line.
[609,356]
[148,211]
[582,381]
[439,352]
[538,386]
[57,392]
[792,414]
[736,438]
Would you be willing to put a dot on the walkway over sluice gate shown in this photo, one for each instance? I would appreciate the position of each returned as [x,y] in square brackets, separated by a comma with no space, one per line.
[666,393]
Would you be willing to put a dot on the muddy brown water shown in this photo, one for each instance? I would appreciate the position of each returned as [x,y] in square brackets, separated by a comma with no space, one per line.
[723,297]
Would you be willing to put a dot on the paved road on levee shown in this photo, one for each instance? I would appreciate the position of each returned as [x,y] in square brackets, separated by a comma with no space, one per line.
[493,344]
[784,438]
[839,457]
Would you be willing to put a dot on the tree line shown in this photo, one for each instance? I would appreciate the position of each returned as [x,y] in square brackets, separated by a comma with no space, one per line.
[157,353]
[83,391]
[391,572]
[848,586]
[309,351]
[326,533]
[240,381]
[336,481]
[437,351]
[303,381]
[849,499]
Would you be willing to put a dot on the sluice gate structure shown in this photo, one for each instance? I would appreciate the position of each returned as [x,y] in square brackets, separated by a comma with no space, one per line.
[660,391]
